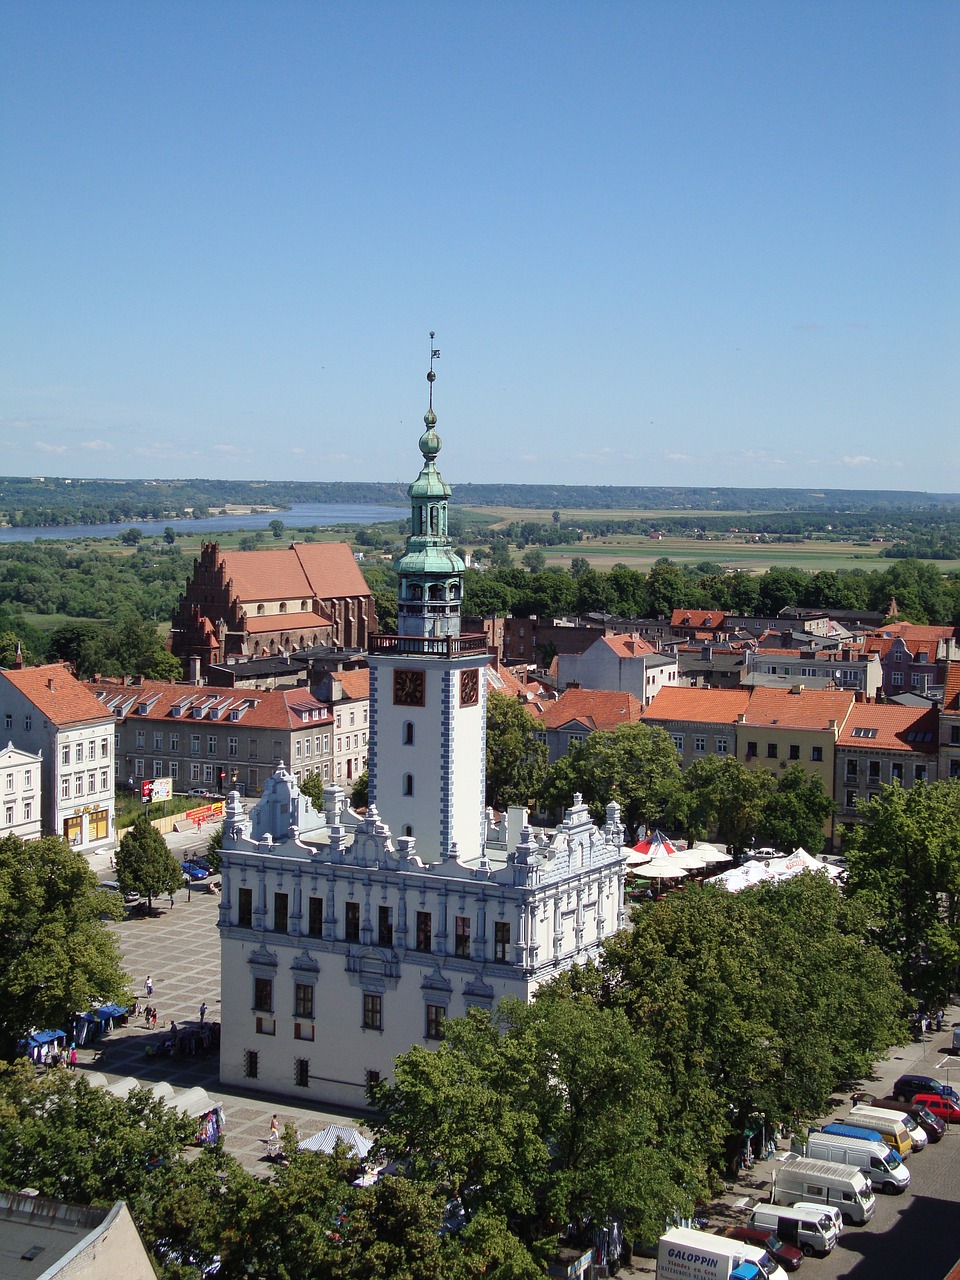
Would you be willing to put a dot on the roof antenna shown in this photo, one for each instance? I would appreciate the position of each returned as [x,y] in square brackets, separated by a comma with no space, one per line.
[431,376]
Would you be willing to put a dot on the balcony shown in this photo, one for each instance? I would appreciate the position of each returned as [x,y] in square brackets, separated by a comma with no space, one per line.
[428,646]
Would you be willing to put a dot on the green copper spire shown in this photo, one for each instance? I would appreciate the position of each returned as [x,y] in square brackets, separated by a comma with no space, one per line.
[431,574]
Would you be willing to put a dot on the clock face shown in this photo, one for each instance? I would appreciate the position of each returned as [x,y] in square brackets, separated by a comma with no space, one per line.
[469,688]
[408,688]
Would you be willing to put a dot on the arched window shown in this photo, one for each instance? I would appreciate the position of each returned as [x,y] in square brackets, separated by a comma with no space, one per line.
[434,520]
[283,606]
[304,606]
[415,591]
[408,733]
[408,831]
[261,610]
[454,590]
[408,784]
[423,519]
[436,591]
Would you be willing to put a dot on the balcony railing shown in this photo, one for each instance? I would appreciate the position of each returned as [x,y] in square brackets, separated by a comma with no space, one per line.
[428,646]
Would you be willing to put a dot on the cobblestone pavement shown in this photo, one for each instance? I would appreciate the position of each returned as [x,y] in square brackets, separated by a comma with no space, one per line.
[180,950]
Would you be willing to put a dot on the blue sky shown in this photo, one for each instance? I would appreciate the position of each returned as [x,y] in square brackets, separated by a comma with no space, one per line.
[660,243]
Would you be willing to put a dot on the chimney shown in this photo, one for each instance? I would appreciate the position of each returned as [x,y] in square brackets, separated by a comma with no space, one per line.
[50,684]
[741,717]
[831,724]
[195,670]
[18,660]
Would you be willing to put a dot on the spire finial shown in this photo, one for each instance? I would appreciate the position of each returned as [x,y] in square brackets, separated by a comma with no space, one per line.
[431,376]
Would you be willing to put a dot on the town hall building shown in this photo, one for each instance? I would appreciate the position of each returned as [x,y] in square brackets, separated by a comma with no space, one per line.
[346,939]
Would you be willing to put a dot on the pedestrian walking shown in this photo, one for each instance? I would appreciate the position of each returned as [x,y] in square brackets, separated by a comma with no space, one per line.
[153,1019]
[73,1057]
[170,897]
[275,1128]
[148,984]
[203,1012]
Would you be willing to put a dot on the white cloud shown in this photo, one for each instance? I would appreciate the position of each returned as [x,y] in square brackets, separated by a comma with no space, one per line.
[97,446]
[51,448]
[679,457]
[858,460]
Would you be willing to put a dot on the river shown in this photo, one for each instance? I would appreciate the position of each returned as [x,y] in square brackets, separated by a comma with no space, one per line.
[301,515]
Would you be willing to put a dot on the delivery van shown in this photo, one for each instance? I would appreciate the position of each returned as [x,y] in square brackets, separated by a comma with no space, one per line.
[882,1166]
[898,1130]
[686,1254]
[813,1228]
[864,1129]
[824,1182]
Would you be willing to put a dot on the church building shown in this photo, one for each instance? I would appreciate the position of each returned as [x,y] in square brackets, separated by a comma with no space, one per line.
[345,939]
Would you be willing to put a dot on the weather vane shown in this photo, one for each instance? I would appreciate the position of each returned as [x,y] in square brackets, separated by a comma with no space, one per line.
[431,376]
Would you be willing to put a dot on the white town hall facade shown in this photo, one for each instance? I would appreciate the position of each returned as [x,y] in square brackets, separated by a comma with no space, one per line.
[346,939]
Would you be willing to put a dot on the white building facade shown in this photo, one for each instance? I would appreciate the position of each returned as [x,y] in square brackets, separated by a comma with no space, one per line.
[347,939]
[20,793]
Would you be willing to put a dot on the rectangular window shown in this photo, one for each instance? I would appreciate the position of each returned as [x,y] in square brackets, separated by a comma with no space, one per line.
[211,744]
[251,1064]
[896,677]
[27,779]
[955,735]
[301,1072]
[254,749]
[266,1026]
[194,744]
[28,723]
[372,1011]
[297,749]
[263,995]
[138,768]
[723,746]
[174,742]
[303,1031]
[245,908]
[351,925]
[157,740]
[8,721]
[436,1015]
[208,773]
[372,1079]
[316,745]
[8,782]
[794,751]
[104,748]
[233,746]
[851,799]
[896,770]
[851,768]
[194,773]
[8,815]
[92,783]
[65,754]
[141,742]
[27,811]
[873,770]
[385,926]
[78,784]
[677,740]
[424,931]
[174,769]
[64,788]
[315,918]
[920,773]
[751,750]
[501,942]
[816,753]
[303,1000]
[771,751]
[280,913]
[461,942]
[699,744]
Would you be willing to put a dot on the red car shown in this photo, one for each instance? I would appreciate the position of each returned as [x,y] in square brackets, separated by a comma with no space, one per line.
[787,1255]
[943,1107]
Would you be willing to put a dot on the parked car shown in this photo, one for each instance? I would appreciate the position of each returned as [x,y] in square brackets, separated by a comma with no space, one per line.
[931,1125]
[193,871]
[202,862]
[908,1086]
[946,1108]
[787,1255]
[113,887]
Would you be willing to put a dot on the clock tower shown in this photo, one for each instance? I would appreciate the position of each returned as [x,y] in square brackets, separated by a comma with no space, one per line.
[427,687]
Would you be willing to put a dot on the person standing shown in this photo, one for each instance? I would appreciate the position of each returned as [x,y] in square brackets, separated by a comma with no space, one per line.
[170,899]
[149,985]
[73,1057]
[203,1012]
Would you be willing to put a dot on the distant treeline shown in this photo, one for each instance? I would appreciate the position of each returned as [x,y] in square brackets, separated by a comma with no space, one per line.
[30,501]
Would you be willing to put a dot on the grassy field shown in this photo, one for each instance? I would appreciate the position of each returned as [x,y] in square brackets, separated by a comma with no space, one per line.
[506,515]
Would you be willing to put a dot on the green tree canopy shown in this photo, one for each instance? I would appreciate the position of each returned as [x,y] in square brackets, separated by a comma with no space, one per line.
[723,798]
[516,761]
[56,954]
[795,814]
[903,861]
[144,863]
[635,764]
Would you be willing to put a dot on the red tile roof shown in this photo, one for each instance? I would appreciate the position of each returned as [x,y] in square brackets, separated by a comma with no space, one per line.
[324,570]
[888,727]
[355,684]
[258,708]
[629,646]
[809,709]
[951,687]
[700,618]
[702,706]
[57,694]
[595,708]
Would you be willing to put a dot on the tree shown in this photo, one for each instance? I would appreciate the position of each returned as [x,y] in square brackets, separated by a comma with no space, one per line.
[360,796]
[556,517]
[903,860]
[169,535]
[723,798]
[56,953]
[516,761]
[82,644]
[542,1114]
[144,863]
[276,527]
[579,565]
[635,764]
[667,588]
[535,560]
[794,816]
[131,537]
[76,1142]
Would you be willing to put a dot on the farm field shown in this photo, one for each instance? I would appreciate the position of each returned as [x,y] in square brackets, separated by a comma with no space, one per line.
[642,553]
[539,515]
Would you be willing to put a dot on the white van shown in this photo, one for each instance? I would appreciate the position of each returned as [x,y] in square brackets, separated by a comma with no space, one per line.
[814,1228]
[882,1166]
[896,1123]
[826,1183]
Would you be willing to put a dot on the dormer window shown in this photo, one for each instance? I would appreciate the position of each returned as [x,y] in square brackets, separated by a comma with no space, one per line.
[283,606]
[304,606]
[261,610]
